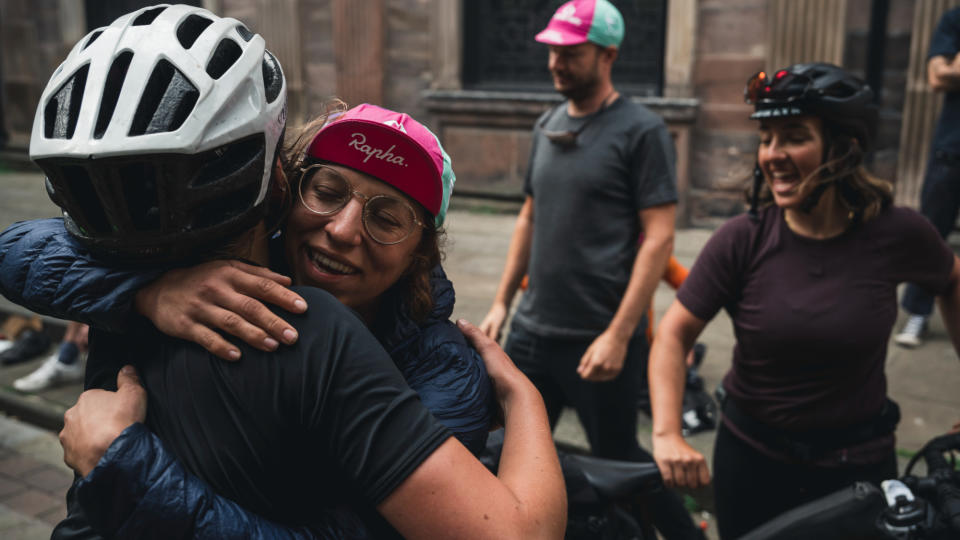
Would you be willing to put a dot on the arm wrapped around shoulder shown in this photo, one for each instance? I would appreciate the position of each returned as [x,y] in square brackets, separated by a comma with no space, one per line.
[43,268]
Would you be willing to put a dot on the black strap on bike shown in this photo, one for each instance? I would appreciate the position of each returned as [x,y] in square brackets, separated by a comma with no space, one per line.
[809,446]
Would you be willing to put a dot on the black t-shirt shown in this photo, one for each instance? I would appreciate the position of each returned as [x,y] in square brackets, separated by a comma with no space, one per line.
[326,422]
[586,204]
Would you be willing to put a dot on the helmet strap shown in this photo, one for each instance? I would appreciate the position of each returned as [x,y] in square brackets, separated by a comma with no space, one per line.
[811,201]
[755,194]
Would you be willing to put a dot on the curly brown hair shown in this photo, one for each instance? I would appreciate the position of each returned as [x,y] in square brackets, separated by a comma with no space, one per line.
[860,192]
[414,285]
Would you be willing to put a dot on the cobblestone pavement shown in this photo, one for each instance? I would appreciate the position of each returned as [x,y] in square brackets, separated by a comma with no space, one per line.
[33,481]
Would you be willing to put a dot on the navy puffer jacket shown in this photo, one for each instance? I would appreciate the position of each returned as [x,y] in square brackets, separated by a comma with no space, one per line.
[437,362]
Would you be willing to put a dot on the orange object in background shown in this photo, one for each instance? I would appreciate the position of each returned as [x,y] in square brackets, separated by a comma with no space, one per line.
[676,273]
[674,276]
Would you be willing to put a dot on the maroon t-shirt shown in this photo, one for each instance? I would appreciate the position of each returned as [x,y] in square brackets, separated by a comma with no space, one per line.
[812,317]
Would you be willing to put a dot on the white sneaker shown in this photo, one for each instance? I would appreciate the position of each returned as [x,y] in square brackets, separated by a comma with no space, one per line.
[51,373]
[912,332]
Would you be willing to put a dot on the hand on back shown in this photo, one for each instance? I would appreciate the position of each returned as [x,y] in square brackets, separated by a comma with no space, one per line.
[508,380]
[193,303]
[99,417]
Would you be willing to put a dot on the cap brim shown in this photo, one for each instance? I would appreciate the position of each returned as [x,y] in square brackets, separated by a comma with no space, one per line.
[554,37]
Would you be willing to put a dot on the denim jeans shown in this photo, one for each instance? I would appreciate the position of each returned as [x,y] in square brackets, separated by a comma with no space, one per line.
[940,203]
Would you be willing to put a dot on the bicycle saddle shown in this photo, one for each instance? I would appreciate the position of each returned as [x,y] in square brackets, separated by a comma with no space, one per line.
[615,479]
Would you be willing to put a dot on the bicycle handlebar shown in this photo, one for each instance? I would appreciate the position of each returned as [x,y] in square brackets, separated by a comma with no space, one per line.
[854,511]
[947,493]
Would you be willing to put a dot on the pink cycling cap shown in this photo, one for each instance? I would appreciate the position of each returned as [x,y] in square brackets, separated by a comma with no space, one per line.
[580,21]
[394,148]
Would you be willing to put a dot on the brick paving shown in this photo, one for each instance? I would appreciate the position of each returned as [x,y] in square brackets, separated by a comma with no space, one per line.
[33,481]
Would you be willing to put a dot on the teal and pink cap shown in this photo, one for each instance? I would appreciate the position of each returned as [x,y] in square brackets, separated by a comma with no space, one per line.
[392,147]
[580,21]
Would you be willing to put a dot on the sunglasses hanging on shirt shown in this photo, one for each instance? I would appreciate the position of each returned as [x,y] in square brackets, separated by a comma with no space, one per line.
[568,138]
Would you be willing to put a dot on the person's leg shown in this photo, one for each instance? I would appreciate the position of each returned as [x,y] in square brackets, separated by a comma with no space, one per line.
[526,351]
[751,488]
[63,366]
[74,343]
[608,410]
[608,413]
[28,337]
[939,202]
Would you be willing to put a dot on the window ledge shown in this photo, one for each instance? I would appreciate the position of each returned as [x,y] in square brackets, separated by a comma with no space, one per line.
[524,104]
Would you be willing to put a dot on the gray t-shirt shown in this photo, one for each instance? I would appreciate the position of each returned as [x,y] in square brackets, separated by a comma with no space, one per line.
[585,206]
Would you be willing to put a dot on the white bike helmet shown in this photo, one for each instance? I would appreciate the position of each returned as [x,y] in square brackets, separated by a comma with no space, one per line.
[158,134]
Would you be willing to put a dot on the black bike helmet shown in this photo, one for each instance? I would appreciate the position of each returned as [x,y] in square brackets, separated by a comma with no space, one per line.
[158,134]
[843,101]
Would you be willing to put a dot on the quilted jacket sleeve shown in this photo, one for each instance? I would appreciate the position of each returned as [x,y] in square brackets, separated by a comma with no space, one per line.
[139,490]
[47,271]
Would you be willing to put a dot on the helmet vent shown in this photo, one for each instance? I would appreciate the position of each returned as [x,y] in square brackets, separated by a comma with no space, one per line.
[190,29]
[147,17]
[225,56]
[228,160]
[77,182]
[244,32]
[227,206]
[840,90]
[111,92]
[166,102]
[272,76]
[93,37]
[140,193]
[63,109]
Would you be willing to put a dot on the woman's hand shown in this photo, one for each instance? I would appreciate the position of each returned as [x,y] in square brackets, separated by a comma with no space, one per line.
[508,381]
[99,417]
[680,465]
[190,303]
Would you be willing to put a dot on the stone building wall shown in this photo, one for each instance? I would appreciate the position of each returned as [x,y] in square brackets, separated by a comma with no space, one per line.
[408,57]
[730,47]
[32,45]
[896,60]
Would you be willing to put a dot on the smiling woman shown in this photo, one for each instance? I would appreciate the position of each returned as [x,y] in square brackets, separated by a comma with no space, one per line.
[790,151]
[809,279]
[368,214]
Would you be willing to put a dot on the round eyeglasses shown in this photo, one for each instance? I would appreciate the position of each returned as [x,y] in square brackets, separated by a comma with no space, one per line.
[388,220]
